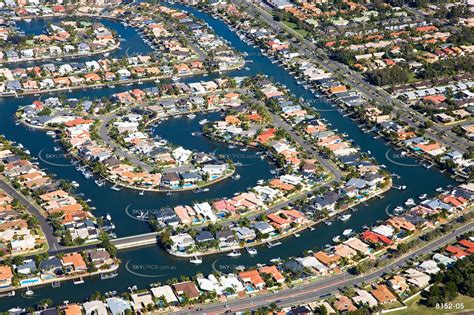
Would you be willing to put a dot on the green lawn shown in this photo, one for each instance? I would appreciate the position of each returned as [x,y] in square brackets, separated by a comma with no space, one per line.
[415,308]
[295,28]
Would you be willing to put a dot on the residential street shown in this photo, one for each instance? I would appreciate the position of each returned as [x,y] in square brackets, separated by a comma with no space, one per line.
[34,211]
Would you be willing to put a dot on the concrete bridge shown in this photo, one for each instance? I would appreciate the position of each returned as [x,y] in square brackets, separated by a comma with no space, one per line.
[135,240]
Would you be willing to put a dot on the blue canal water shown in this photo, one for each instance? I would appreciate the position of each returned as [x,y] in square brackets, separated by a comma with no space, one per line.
[152,264]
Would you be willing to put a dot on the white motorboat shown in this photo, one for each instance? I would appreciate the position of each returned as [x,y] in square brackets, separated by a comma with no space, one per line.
[196,260]
[74,184]
[347,232]
[410,202]
[234,253]
[275,260]
[202,122]
[328,223]
[345,217]
[252,251]
[191,116]
[108,217]
[29,292]
[423,196]
[399,209]
[236,177]
[336,239]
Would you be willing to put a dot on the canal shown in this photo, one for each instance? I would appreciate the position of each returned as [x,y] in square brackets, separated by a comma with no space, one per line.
[152,264]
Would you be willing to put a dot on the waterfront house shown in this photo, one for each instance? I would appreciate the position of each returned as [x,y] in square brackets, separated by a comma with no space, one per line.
[327,259]
[166,293]
[27,267]
[171,179]
[429,267]
[398,284]
[141,300]
[204,236]
[253,278]
[274,272]
[358,245]
[263,227]
[244,233]
[6,276]
[188,289]
[181,242]
[312,263]
[118,306]
[375,238]
[344,251]
[184,213]
[95,308]
[456,252]
[74,263]
[99,257]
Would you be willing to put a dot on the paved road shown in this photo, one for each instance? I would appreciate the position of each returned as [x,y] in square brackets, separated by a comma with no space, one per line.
[370,92]
[104,135]
[295,136]
[312,291]
[33,210]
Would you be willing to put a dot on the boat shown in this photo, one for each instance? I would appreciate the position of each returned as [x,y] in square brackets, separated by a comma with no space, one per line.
[56,284]
[196,260]
[251,251]
[236,177]
[399,209]
[56,149]
[439,189]
[410,202]
[191,116]
[105,276]
[275,260]
[175,79]
[74,184]
[336,239]
[422,196]
[296,234]
[51,133]
[347,232]
[108,217]
[141,193]
[234,253]
[203,121]
[328,222]
[345,217]
[240,268]
[29,292]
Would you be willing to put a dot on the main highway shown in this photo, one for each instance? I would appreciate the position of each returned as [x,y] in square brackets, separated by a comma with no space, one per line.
[309,292]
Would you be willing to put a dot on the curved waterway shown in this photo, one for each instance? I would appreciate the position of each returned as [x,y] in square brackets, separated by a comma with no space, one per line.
[152,264]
